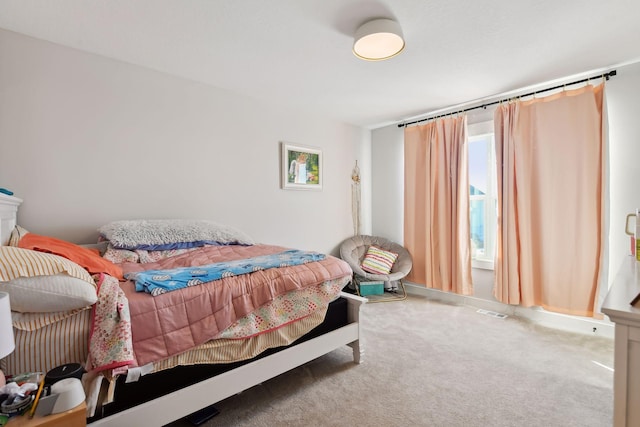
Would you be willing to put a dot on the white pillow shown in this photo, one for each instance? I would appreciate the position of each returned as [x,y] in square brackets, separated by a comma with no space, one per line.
[47,294]
[42,282]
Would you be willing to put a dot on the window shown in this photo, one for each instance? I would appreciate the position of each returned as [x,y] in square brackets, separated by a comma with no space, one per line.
[482,194]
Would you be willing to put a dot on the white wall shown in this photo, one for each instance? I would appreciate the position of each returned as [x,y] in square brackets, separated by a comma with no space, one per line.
[85,140]
[388,183]
[623,105]
[623,101]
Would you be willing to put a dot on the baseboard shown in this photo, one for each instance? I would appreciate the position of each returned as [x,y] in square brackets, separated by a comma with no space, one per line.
[545,318]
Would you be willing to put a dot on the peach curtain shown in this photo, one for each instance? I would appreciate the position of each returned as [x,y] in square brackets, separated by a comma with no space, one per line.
[550,155]
[436,204]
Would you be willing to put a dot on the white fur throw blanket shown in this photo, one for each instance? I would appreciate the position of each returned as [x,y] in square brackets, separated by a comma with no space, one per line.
[159,234]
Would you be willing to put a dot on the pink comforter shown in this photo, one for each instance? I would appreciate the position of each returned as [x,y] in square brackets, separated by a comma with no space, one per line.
[168,324]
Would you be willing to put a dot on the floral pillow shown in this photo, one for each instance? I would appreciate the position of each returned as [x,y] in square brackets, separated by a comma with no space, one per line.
[155,256]
[118,256]
[141,256]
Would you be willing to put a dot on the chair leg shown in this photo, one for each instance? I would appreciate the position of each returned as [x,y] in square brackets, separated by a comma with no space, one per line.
[401,297]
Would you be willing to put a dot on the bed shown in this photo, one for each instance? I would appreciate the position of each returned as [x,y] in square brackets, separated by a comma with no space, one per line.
[172,378]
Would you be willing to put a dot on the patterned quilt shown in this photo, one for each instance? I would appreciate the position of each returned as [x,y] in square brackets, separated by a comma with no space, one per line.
[110,344]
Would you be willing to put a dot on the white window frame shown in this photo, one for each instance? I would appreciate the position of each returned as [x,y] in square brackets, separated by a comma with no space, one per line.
[475,132]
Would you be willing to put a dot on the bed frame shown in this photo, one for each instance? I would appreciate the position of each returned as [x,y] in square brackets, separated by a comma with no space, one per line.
[183,402]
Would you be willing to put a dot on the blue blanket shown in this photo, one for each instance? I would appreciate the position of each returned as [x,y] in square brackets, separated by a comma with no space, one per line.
[156,282]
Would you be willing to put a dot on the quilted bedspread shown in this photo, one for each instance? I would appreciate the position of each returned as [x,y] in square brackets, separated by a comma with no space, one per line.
[171,323]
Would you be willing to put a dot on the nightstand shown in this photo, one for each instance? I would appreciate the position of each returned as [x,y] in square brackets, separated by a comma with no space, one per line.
[76,417]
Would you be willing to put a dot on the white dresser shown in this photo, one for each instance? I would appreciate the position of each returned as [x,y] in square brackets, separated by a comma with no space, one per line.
[626,379]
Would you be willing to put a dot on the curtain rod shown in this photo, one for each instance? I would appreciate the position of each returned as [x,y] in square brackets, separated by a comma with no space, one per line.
[599,76]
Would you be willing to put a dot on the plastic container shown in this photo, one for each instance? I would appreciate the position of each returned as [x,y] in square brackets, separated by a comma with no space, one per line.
[371,288]
[70,370]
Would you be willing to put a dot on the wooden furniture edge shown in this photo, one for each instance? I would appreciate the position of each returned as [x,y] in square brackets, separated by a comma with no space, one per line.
[74,417]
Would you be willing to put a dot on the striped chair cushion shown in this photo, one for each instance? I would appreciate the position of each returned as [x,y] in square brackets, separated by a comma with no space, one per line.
[378,261]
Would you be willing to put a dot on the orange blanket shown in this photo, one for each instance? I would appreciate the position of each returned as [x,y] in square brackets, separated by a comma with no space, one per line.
[88,258]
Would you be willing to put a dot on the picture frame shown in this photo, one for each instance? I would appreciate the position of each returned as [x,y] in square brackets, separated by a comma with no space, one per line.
[301,167]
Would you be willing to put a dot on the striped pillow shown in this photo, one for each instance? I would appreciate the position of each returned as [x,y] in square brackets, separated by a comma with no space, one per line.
[378,261]
[18,262]
[42,282]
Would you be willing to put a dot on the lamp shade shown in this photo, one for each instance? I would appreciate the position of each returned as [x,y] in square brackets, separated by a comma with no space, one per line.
[6,326]
[378,40]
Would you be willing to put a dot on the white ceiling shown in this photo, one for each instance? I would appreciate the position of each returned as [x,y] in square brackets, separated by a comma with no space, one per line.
[297,53]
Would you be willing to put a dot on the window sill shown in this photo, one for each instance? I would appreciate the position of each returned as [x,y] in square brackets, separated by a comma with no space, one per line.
[484,264]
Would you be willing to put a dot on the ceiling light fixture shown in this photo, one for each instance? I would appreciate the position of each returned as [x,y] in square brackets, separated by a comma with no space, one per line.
[378,40]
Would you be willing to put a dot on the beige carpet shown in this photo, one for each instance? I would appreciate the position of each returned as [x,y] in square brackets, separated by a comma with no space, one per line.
[431,364]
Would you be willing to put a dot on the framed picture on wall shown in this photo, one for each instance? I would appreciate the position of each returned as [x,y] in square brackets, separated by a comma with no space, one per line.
[301,167]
